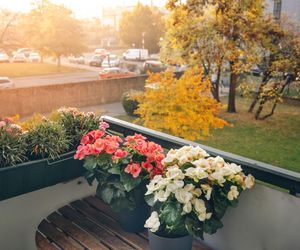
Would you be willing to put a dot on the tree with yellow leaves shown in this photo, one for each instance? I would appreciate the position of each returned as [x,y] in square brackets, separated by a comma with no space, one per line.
[214,32]
[183,107]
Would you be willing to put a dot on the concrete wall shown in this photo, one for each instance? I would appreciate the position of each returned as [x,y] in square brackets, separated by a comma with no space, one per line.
[43,99]
[265,219]
[21,215]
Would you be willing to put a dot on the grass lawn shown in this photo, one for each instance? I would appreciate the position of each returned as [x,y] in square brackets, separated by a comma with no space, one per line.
[31,69]
[275,141]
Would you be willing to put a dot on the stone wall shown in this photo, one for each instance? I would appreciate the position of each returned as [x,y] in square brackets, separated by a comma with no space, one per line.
[43,99]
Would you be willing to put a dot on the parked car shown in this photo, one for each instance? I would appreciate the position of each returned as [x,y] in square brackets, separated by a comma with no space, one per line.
[34,57]
[111,61]
[25,51]
[102,52]
[5,82]
[154,66]
[4,58]
[19,58]
[136,54]
[96,60]
[114,72]
[79,59]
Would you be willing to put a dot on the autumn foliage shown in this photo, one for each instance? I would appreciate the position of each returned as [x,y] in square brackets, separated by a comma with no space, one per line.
[183,107]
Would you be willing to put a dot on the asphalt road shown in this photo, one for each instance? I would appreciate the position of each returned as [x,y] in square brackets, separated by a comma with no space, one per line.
[32,81]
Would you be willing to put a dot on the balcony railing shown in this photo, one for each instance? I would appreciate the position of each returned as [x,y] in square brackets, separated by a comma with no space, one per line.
[266,173]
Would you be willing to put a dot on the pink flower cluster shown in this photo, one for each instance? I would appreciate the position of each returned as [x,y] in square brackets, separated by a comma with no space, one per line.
[9,126]
[96,142]
[152,151]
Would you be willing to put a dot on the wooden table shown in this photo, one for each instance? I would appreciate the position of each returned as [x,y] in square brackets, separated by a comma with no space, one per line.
[89,224]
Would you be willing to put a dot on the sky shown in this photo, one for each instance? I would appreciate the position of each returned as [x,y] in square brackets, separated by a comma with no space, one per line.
[81,8]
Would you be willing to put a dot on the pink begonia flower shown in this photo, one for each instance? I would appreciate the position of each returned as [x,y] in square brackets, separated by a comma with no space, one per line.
[2,124]
[103,125]
[134,169]
[120,154]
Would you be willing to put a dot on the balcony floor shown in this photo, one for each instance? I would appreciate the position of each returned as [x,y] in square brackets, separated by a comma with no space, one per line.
[89,224]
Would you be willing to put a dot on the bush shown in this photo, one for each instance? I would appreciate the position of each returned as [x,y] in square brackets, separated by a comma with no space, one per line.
[76,123]
[12,144]
[47,139]
[129,101]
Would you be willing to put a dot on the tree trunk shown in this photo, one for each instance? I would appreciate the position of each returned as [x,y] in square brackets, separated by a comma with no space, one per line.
[265,80]
[287,82]
[232,89]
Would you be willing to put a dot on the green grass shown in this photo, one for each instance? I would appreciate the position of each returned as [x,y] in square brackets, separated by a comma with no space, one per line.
[274,141]
[31,69]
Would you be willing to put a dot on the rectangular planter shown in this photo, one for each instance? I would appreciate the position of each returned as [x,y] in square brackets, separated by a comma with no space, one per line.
[34,175]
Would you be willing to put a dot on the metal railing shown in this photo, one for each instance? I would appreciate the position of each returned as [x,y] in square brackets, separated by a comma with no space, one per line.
[266,173]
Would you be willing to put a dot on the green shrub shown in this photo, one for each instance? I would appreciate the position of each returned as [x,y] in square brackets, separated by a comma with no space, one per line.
[129,101]
[47,139]
[76,123]
[12,144]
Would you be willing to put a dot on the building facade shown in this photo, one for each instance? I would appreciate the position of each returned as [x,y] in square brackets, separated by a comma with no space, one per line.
[287,8]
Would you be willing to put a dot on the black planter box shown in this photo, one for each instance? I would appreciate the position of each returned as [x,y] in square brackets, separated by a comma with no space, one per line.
[34,175]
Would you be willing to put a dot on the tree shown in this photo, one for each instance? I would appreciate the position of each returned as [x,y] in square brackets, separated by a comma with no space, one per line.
[215,32]
[53,30]
[281,60]
[182,107]
[142,24]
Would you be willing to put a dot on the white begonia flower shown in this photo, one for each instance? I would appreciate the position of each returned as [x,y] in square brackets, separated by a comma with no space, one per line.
[201,163]
[187,208]
[183,196]
[183,159]
[198,152]
[218,176]
[199,206]
[233,193]
[207,190]
[235,168]
[176,184]
[174,173]
[249,181]
[208,216]
[196,173]
[161,195]
[227,171]
[239,179]
[202,216]
[217,162]
[196,192]
[153,222]
[158,182]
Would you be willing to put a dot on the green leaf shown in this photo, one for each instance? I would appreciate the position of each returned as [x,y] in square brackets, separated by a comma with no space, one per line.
[194,227]
[149,199]
[90,163]
[114,170]
[211,226]
[106,193]
[129,182]
[220,204]
[90,177]
[171,213]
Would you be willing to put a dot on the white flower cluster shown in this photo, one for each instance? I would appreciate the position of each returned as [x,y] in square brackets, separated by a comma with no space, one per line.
[187,184]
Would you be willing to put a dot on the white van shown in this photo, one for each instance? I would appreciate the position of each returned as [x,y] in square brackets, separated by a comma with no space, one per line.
[136,54]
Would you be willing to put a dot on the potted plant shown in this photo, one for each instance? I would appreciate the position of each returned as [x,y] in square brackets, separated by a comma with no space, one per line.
[191,197]
[39,153]
[122,169]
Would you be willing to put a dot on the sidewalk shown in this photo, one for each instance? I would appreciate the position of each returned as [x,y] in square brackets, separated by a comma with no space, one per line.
[111,109]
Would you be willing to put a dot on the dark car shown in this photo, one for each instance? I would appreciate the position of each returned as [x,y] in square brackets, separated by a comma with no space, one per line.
[96,60]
